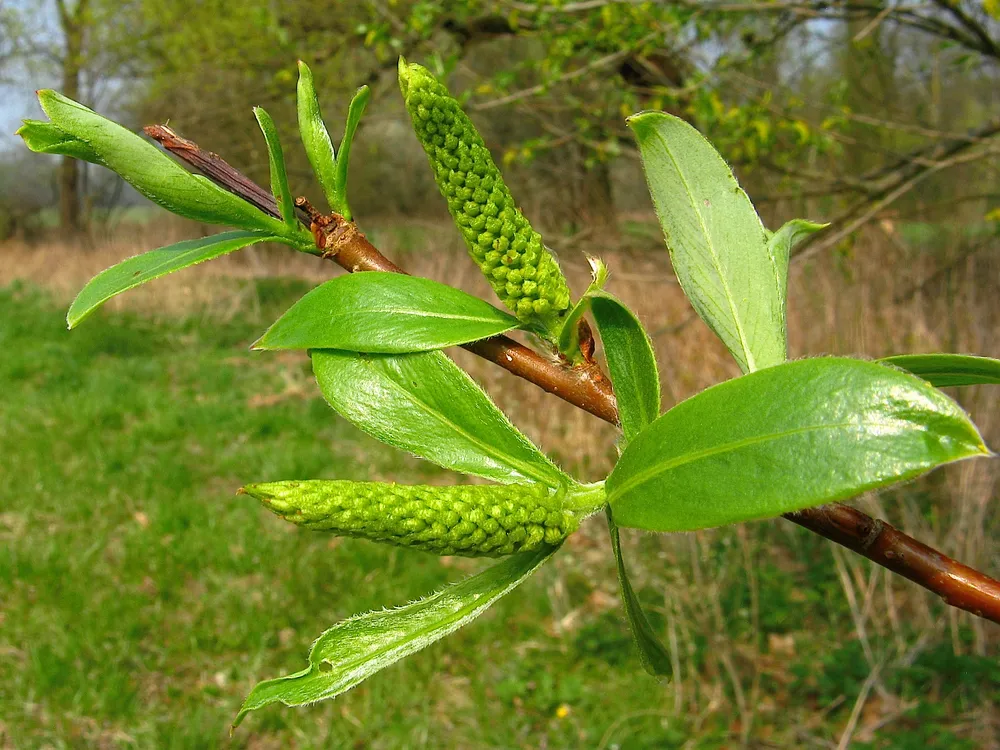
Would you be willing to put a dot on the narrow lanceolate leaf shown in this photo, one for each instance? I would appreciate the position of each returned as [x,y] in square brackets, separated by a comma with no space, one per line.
[385,313]
[354,113]
[354,650]
[779,247]
[153,173]
[631,363]
[786,438]
[654,657]
[315,136]
[426,404]
[154,264]
[943,370]
[276,158]
[717,243]
[46,138]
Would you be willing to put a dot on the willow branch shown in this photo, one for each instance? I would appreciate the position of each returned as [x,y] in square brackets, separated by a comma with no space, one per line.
[587,388]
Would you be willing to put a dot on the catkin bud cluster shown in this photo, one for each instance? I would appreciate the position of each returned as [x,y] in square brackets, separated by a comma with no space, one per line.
[509,252]
[467,520]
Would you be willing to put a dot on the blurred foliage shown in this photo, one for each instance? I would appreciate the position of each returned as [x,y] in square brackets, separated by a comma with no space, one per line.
[805,98]
[823,107]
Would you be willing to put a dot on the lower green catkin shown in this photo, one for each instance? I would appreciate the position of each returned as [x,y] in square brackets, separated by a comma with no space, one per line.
[467,520]
[522,272]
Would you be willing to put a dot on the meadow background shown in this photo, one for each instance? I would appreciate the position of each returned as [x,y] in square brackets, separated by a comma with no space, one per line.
[141,598]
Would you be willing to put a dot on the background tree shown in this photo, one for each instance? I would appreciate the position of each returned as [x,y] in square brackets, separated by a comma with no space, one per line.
[88,46]
[852,105]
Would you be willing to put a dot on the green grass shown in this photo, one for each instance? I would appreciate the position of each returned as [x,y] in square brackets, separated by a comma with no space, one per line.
[140,598]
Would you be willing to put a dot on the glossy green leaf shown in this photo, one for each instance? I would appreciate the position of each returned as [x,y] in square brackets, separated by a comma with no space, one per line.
[354,113]
[154,264]
[779,247]
[653,655]
[944,370]
[631,363]
[315,136]
[152,172]
[354,650]
[46,138]
[785,438]
[426,404]
[379,312]
[717,243]
[279,178]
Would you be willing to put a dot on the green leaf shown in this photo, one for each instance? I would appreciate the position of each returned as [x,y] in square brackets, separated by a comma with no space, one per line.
[154,264]
[779,248]
[153,173]
[631,363]
[352,651]
[424,403]
[279,178]
[569,334]
[380,312]
[354,113]
[785,438]
[46,138]
[315,136]
[717,243]
[943,370]
[654,657]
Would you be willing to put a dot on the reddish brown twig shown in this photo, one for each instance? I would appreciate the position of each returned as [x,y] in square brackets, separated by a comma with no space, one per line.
[587,388]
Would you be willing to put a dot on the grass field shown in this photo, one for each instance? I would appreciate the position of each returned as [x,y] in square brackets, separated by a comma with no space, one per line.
[140,598]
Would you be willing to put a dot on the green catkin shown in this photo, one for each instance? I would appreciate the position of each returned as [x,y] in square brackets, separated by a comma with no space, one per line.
[522,272]
[467,520]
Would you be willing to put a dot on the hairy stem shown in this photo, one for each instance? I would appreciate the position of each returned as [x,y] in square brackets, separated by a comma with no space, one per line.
[587,388]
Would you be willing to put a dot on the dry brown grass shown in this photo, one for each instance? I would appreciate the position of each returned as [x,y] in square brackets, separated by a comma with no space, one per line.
[873,303]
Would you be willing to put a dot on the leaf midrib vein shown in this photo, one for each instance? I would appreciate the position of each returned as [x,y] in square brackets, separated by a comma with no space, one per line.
[528,471]
[149,274]
[411,312]
[648,474]
[465,610]
[751,363]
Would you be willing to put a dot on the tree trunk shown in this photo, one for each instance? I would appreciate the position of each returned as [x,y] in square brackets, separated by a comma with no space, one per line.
[73,24]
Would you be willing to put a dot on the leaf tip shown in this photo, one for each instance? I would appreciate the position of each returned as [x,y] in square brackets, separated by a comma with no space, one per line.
[404,75]
[45,95]
[73,318]
[599,271]
[260,345]
[238,720]
[305,73]
[644,120]
[361,96]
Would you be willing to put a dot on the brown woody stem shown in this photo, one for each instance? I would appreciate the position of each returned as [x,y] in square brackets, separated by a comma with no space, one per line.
[587,387]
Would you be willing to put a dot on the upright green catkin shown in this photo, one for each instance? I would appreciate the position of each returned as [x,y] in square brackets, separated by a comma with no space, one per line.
[467,520]
[509,252]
